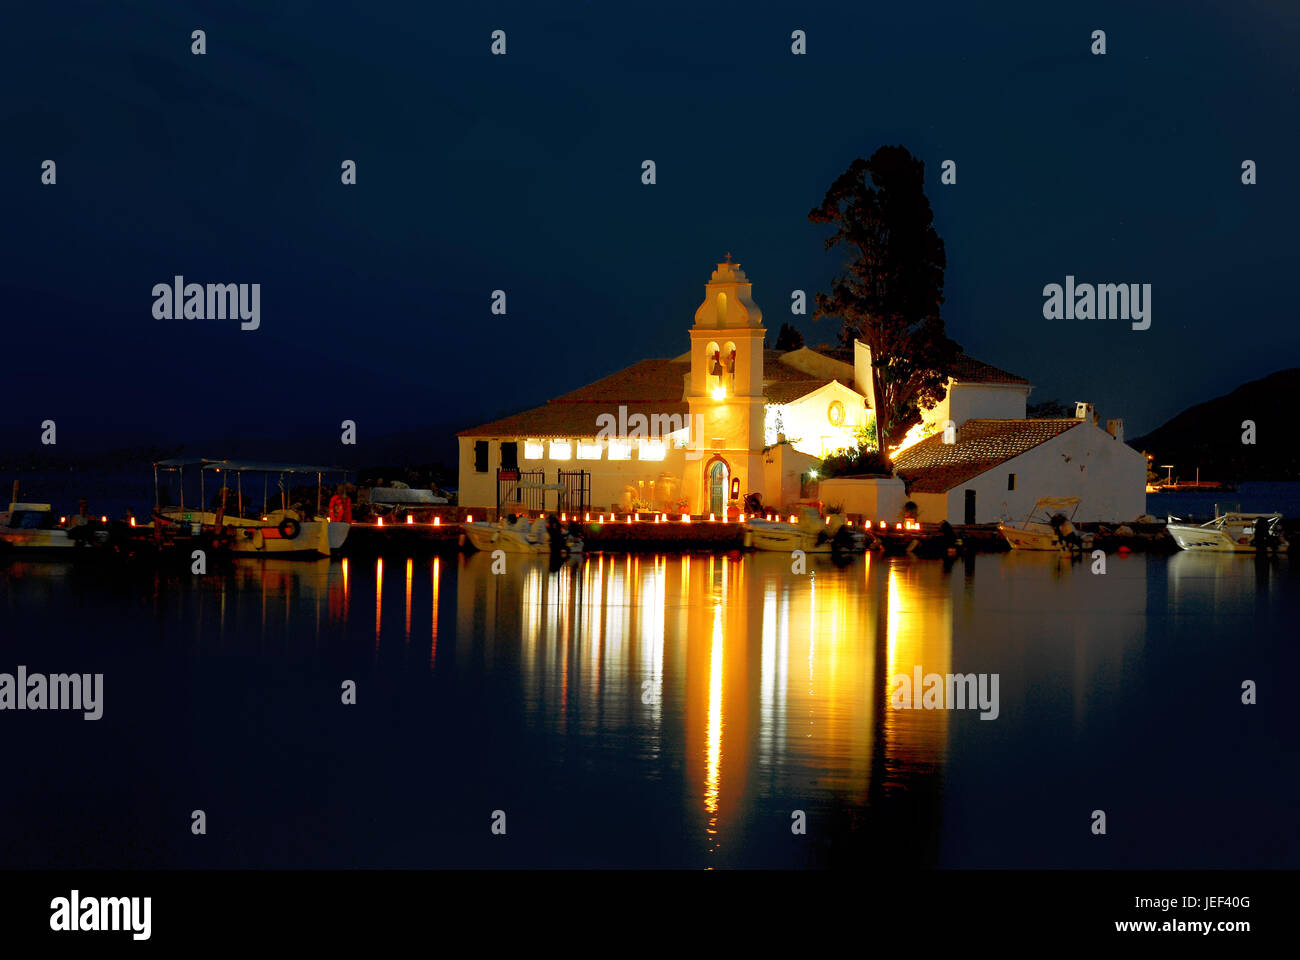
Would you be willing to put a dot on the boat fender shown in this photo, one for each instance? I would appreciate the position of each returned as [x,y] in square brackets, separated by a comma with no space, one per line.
[289,528]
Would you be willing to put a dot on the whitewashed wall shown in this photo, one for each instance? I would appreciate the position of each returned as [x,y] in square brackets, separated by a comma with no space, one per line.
[1107,475]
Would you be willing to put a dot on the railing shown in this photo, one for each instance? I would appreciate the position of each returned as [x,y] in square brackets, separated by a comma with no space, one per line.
[575,497]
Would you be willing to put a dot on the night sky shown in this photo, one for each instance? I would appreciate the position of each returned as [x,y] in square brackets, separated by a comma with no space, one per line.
[523,172]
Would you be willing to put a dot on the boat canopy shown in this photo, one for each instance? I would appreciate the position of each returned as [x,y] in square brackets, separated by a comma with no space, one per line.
[1051,505]
[400,496]
[175,463]
[256,466]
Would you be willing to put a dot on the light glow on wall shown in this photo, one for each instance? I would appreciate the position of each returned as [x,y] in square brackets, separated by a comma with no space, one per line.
[561,450]
[532,449]
[652,450]
[620,450]
[588,450]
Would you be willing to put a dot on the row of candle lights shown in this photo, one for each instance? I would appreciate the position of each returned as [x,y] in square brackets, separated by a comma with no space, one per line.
[686,518]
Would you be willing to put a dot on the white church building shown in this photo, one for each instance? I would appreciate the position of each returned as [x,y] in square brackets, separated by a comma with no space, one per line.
[696,433]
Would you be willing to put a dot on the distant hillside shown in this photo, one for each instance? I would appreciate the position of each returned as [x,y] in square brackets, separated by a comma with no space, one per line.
[1209,434]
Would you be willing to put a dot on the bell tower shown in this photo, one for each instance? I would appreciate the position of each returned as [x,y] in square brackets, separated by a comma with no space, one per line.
[726,393]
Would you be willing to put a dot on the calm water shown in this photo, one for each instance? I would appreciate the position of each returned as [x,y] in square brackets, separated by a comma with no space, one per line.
[655,711]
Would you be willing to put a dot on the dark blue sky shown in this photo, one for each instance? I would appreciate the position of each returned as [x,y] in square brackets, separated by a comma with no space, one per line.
[522,172]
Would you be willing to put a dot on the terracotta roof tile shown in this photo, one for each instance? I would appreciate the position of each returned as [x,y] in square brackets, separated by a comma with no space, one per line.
[647,381]
[970,370]
[933,466]
[786,391]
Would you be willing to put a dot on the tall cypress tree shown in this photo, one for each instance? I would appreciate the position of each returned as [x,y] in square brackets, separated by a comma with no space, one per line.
[891,288]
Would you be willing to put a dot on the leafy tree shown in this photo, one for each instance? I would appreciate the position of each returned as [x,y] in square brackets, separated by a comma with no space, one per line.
[788,338]
[891,288]
[857,461]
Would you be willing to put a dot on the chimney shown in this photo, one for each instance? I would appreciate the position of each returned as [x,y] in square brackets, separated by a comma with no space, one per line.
[1116,429]
[1083,411]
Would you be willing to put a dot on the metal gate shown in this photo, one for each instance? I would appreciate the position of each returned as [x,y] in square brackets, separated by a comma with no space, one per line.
[520,490]
[575,490]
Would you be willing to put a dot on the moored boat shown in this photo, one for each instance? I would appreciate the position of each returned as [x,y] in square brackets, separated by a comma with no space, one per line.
[517,535]
[809,533]
[1231,531]
[1047,527]
[283,532]
[28,528]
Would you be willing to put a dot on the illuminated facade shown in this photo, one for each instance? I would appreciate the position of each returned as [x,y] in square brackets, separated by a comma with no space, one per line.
[692,434]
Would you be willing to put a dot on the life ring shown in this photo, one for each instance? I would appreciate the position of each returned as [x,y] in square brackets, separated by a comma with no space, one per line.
[289,528]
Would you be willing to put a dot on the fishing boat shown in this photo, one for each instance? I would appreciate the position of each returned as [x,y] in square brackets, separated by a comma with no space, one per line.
[809,533]
[30,528]
[236,525]
[1231,531]
[1047,527]
[516,535]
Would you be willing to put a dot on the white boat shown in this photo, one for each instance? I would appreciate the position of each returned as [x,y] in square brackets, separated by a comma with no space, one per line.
[1231,532]
[1048,526]
[809,533]
[517,536]
[283,532]
[34,528]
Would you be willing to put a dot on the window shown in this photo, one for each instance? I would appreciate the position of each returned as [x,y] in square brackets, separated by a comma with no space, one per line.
[588,450]
[510,456]
[561,450]
[532,449]
[652,450]
[620,450]
[480,456]
[1011,481]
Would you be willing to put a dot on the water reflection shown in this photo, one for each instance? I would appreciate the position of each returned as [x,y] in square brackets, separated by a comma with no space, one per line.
[724,693]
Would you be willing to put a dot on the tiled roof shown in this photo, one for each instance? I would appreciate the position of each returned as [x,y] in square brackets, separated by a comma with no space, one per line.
[646,381]
[568,419]
[933,466]
[648,386]
[786,391]
[970,370]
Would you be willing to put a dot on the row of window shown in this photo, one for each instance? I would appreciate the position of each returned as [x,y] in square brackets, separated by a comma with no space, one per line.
[564,450]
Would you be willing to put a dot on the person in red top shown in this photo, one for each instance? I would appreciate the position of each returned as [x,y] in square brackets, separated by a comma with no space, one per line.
[340,508]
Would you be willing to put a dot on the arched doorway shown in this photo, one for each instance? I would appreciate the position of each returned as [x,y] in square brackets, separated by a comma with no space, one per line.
[716,484]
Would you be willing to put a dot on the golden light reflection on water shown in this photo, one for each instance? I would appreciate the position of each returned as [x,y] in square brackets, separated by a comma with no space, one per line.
[712,777]
[731,682]
[761,681]
[435,572]
[379,598]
